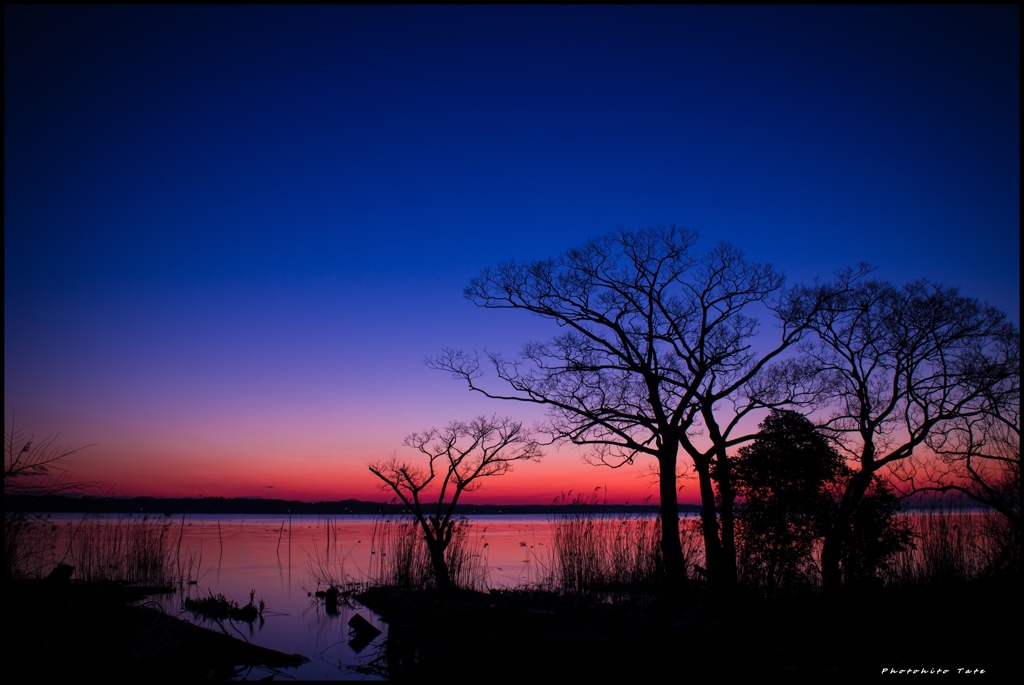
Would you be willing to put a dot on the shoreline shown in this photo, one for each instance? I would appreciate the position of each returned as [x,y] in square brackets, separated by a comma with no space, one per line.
[171,506]
[72,630]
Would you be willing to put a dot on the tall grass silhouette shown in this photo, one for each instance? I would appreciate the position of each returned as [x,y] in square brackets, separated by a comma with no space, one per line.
[127,549]
[399,556]
[952,543]
[594,551]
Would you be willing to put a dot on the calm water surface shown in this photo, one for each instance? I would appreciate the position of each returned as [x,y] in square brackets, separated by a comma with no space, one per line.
[275,557]
[235,555]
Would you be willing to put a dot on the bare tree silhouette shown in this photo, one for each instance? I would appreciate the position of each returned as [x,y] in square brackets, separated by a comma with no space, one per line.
[658,348]
[979,453]
[458,457]
[894,365]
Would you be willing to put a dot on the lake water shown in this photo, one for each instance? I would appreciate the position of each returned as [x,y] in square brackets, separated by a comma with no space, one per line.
[235,555]
[278,559]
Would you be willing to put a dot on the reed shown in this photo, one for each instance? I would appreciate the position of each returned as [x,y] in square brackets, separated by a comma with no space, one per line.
[31,545]
[1002,554]
[127,549]
[399,556]
[952,543]
[594,551]
[218,608]
[466,557]
[327,568]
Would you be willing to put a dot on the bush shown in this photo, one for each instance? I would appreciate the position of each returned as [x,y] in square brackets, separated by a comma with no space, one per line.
[788,484]
[877,535]
[785,484]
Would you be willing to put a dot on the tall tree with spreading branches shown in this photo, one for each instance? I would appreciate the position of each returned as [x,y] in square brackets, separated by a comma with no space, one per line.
[894,365]
[658,348]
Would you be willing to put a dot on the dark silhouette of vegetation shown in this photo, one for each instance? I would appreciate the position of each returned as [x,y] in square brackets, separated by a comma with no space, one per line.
[400,555]
[893,365]
[32,470]
[458,457]
[597,552]
[219,608]
[129,549]
[875,535]
[954,545]
[785,483]
[979,456]
[658,353]
[790,482]
[657,349]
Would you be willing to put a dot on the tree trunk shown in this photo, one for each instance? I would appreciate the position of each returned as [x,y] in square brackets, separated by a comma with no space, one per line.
[724,576]
[727,497]
[709,521]
[671,549]
[437,560]
[437,536]
[835,539]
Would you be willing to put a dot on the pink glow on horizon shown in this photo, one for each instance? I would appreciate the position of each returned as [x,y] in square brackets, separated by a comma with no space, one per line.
[310,458]
[328,477]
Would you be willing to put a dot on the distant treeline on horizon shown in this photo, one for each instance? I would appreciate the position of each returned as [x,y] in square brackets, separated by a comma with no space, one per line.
[245,505]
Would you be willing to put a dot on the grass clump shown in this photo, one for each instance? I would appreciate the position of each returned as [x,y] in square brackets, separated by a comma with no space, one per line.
[399,556]
[31,543]
[127,549]
[953,543]
[219,608]
[597,552]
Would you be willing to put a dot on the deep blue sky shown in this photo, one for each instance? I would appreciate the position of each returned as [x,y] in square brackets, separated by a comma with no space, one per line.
[234,233]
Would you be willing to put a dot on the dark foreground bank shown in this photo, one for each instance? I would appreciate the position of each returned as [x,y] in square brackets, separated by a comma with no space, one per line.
[57,630]
[67,632]
[965,630]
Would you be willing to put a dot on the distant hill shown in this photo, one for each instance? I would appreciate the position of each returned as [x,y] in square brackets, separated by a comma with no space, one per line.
[245,505]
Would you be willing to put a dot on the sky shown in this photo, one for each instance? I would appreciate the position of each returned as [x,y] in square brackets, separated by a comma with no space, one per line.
[233,234]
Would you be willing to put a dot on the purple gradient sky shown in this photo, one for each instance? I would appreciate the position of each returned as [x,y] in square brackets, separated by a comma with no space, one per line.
[232,234]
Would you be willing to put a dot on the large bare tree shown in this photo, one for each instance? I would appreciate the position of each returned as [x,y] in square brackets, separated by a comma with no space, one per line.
[458,457]
[893,365]
[659,346]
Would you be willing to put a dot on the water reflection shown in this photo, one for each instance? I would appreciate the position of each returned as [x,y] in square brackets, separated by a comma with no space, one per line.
[275,557]
[249,561]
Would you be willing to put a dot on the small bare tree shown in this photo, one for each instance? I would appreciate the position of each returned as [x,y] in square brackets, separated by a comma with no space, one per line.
[457,458]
